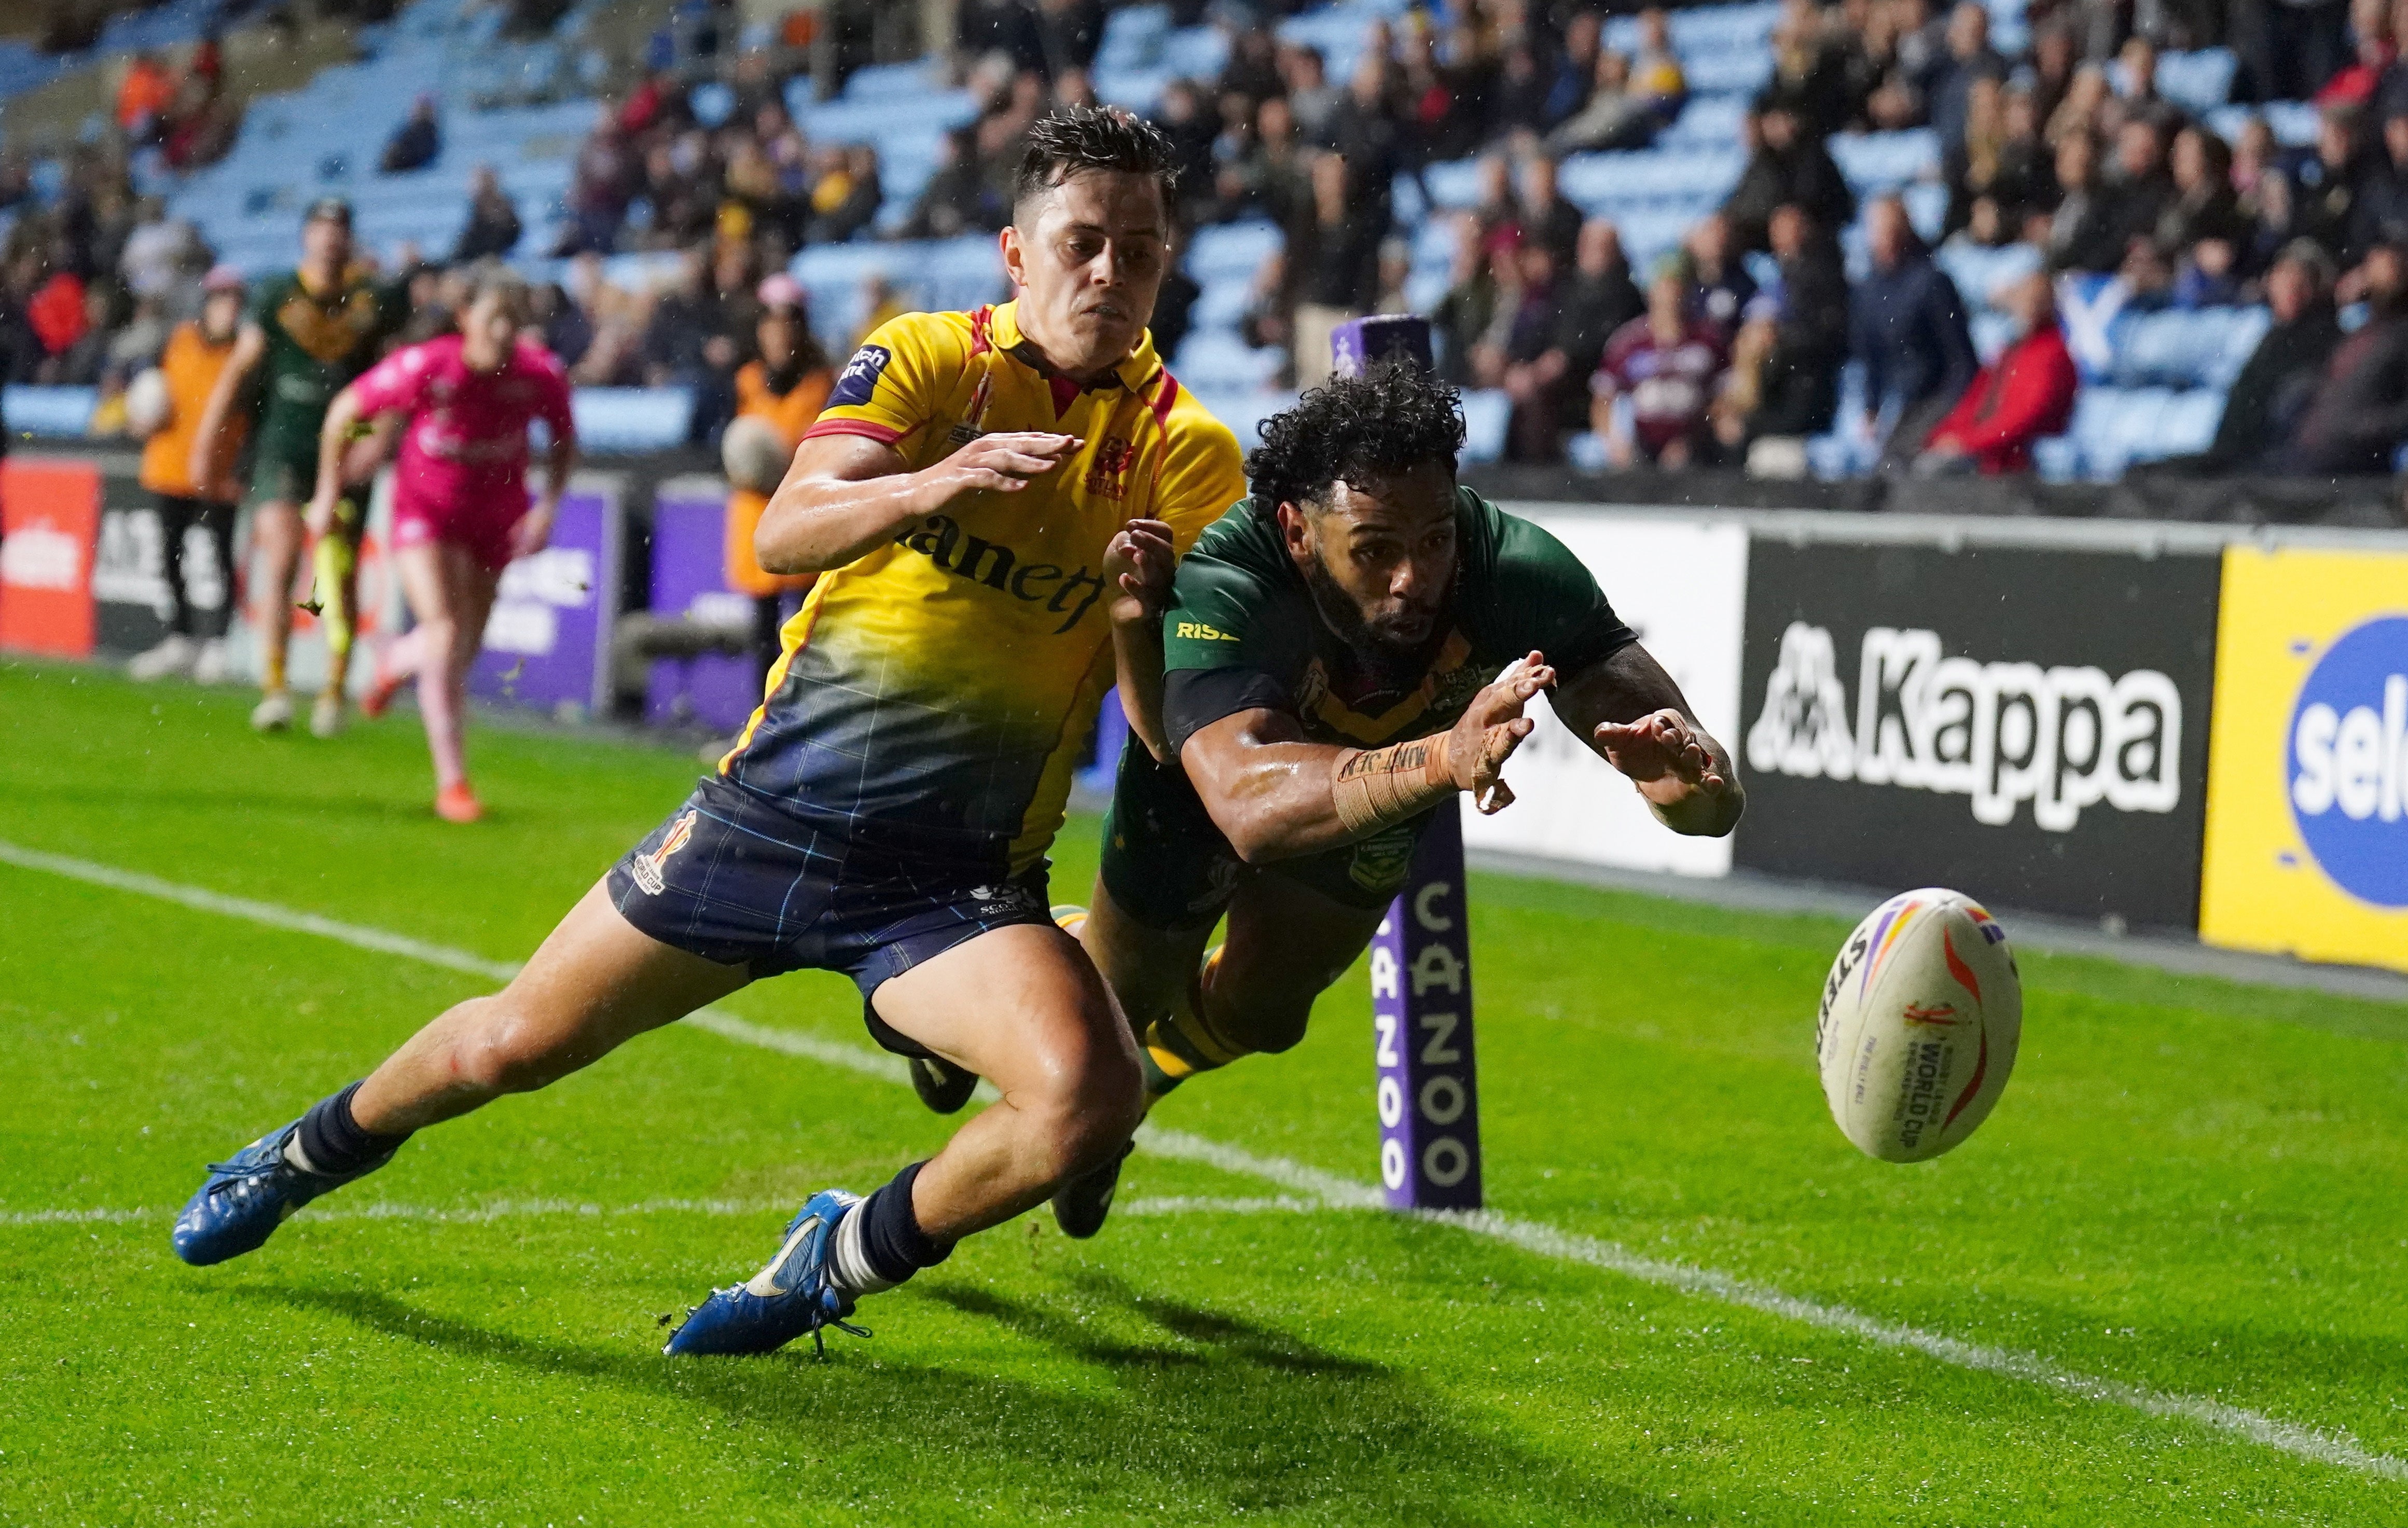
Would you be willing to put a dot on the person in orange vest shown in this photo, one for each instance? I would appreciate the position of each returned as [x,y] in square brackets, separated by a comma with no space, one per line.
[787,387]
[195,354]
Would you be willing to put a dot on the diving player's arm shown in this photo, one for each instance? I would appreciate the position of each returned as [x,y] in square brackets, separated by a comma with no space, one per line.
[1275,795]
[209,463]
[848,494]
[1628,710]
[1139,564]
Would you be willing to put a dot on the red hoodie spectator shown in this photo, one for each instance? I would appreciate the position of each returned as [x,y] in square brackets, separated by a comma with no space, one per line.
[56,313]
[2025,393]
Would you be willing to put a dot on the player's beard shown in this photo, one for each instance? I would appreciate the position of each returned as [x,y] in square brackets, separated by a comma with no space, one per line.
[1386,652]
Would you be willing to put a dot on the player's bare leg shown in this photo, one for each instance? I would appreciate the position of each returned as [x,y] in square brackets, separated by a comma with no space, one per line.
[595,983]
[1023,1007]
[451,595]
[1196,1010]
[277,531]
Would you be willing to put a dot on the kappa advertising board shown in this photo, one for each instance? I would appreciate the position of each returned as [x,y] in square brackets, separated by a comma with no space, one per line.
[49,525]
[2307,808]
[1681,586]
[2026,725]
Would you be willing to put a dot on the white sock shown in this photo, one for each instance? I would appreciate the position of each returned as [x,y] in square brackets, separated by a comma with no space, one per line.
[298,1158]
[849,1262]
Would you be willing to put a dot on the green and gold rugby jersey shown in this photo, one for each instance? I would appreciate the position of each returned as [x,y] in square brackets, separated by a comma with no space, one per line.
[1242,634]
[317,344]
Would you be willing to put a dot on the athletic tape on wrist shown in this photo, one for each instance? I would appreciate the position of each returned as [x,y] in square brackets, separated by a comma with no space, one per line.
[1375,788]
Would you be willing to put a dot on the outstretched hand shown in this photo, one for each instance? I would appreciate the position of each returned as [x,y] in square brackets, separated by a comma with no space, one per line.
[1491,728]
[1138,567]
[1662,755]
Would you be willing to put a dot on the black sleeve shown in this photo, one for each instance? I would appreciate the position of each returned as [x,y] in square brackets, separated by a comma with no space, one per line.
[1195,698]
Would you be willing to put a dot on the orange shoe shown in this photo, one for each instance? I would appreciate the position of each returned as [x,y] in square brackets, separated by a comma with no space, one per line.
[458,804]
[378,699]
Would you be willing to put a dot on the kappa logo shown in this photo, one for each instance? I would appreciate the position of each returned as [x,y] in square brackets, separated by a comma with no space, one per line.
[1938,1016]
[1107,478]
[859,378]
[646,868]
[2063,738]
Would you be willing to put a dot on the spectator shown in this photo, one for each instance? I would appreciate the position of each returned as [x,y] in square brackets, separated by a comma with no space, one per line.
[2355,83]
[955,200]
[2026,393]
[1655,73]
[2079,112]
[493,229]
[847,196]
[2380,212]
[189,367]
[2271,392]
[415,143]
[1720,286]
[1798,390]
[2325,187]
[1785,167]
[1550,392]
[1906,326]
[1545,215]
[2084,232]
[1463,315]
[2138,99]
[1616,115]
[2357,417]
[1253,67]
[1191,132]
[143,98]
[602,185]
[1574,70]
[786,385]
[1339,259]
[1666,365]
[2288,48]
[1312,99]
[1366,134]
[2141,190]
[1068,33]
[1971,59]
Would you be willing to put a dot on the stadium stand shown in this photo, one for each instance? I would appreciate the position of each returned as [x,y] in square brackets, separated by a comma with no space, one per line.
[2161,323]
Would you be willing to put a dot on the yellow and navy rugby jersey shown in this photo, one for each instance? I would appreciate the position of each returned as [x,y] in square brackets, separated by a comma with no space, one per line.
[933,695]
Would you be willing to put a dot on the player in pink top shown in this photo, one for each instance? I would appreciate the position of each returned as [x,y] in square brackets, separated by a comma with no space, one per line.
[460,509]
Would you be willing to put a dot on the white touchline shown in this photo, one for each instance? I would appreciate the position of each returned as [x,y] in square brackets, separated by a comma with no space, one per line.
[1319,1190]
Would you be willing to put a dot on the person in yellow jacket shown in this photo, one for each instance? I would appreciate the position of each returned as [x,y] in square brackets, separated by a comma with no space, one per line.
[194,355]
[786,387]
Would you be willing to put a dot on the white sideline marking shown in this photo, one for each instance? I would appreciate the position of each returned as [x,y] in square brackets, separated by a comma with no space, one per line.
[509,1209]
[2323,1447]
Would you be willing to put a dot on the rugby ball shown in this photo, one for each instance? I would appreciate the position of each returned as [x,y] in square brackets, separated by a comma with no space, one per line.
[149,407]
[1919,1025]
[753,454]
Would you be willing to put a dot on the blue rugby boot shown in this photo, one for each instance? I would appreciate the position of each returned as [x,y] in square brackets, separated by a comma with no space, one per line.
[794,1294]
[247,1198]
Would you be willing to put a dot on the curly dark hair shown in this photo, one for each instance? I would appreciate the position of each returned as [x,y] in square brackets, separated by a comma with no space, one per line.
[1093,138]
[1393,417]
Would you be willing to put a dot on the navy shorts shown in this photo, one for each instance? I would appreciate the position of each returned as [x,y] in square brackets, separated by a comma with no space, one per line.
[732,879]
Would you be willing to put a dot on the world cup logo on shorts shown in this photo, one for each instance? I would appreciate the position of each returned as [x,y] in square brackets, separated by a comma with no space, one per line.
[646,868]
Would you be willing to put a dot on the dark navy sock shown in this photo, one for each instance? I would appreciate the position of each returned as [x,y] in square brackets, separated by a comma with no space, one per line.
[891,1236]
[334,1141]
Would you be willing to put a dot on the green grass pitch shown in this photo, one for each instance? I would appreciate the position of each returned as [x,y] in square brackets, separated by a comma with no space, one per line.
[2190,1190]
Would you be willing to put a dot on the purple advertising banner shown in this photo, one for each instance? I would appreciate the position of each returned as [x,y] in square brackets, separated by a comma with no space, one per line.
[548,644]
[1428,1094]
[690,580]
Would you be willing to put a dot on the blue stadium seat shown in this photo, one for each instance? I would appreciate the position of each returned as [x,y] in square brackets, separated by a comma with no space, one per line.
[2199,81]
[62,412]
[1243,411]
[632,418]
[1216,360]
[2294,121]
[1605,183]
[1980,272]
[1732,70]
[1874,162]
[1486,414]
[1707,121]
[1232,250]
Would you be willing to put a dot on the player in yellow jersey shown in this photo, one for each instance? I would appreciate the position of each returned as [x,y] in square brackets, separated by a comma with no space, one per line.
[990,500]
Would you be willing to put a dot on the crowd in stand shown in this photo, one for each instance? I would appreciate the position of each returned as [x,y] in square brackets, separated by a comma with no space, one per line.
[1728,353]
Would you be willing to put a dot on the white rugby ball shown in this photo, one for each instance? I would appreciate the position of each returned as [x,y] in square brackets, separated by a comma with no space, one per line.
[1919,1025]
[753,454]
[149,405]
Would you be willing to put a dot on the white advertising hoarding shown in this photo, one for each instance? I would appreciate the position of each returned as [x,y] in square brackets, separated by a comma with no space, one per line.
[1683,588]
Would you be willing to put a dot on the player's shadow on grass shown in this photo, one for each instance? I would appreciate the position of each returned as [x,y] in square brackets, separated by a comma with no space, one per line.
[1222,1416]
[1215,1337]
